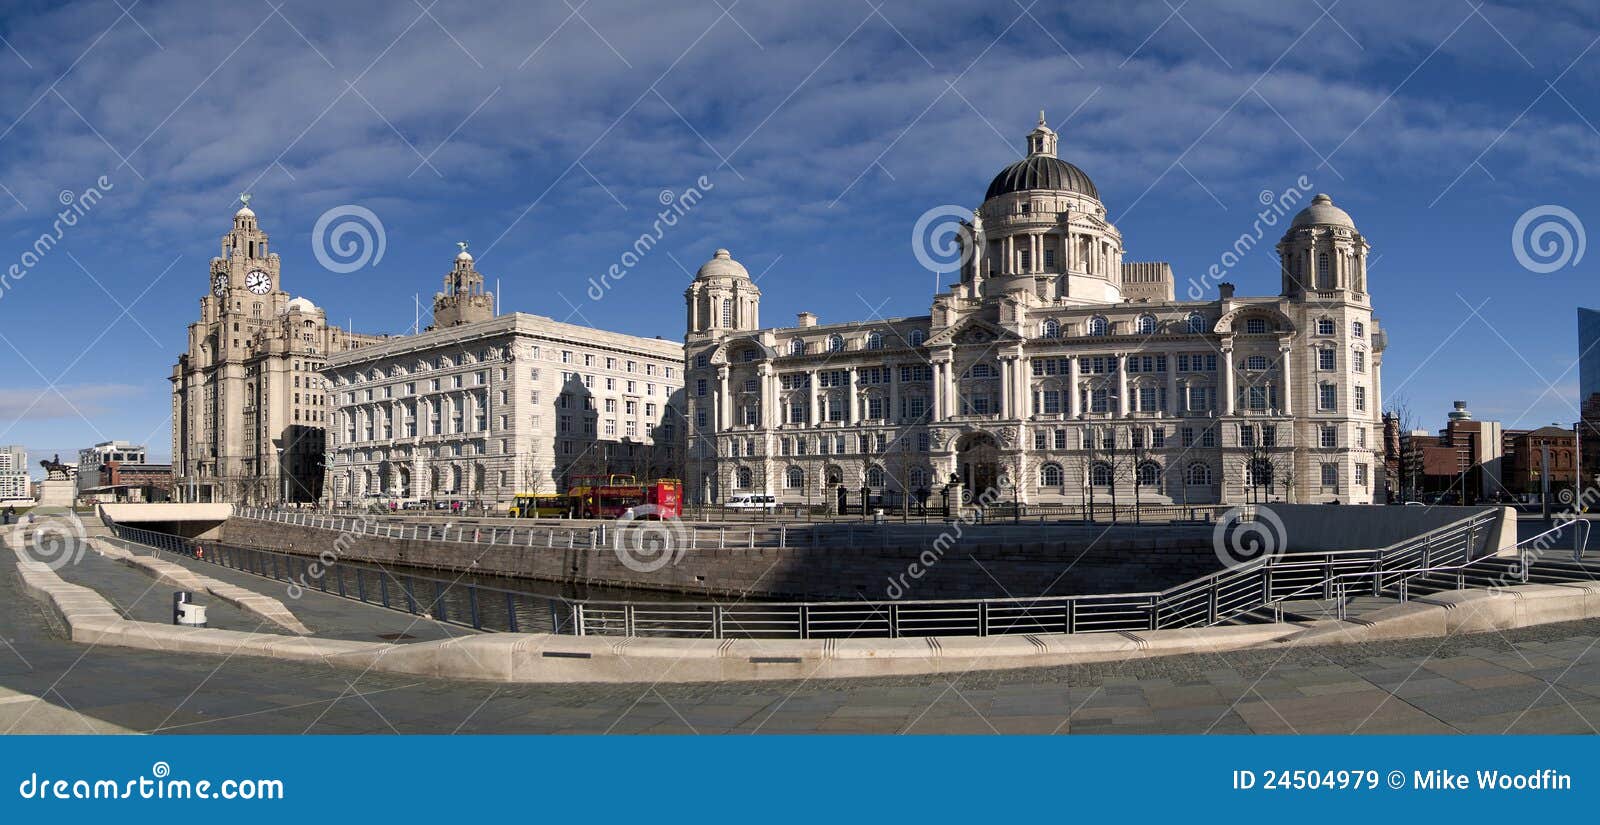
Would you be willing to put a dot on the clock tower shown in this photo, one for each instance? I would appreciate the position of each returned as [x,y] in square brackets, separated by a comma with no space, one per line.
[249,406]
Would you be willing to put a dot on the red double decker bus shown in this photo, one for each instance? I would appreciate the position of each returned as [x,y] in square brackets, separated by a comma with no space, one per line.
[617,494]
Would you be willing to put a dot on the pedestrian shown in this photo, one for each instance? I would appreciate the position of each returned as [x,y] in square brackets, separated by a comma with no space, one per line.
[10,514]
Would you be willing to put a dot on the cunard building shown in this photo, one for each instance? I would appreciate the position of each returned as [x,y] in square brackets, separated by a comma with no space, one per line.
[249,409]
[1054,370]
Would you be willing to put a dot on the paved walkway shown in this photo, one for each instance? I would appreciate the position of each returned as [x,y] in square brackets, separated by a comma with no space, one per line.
[328,616]
[1534,680]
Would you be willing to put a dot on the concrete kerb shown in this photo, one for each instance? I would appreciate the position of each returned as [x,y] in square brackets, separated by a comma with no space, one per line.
[262,606]
[542,658]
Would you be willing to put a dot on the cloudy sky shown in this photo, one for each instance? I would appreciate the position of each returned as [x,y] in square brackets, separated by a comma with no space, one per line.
[545,134]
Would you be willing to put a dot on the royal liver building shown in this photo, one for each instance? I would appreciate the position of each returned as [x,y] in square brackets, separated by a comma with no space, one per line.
[1054,371]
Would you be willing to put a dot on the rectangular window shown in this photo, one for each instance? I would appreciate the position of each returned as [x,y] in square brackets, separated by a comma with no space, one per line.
[1361,399]
[1327,397]
[1329,437]
[1247,435]
[1186,436]
[1361,476]
[1330,476]
[1359,360]
[1208,437]
[1325,359]
[1039,437]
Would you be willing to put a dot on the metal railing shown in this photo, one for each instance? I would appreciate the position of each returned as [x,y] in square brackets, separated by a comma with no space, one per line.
[1257,589]
[464,603]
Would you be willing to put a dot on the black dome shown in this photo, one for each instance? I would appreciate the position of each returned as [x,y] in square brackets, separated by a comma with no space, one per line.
[1041,172]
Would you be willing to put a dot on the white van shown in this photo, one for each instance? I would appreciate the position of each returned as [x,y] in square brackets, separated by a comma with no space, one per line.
[752,501]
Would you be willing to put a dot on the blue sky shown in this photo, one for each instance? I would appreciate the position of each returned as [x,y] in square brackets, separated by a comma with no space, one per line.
[544,134]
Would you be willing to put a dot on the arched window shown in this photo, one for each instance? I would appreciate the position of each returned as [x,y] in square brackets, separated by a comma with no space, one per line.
[1255,363]
[835,343]
[875,477]
[1196,323]
[1147,325]
[1324,271]
[1100,474]
[743,478]
[1098,325]
[1050,475]
[1198,475]
[797,347]
[917,337]
[1149,474]
[874,340]
[1051,328]
[794,478]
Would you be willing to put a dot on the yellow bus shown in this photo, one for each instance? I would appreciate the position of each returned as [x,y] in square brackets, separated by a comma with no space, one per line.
[541,505]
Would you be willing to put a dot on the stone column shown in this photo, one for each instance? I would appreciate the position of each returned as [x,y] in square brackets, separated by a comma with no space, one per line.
[1074,402]
[936,389]
[1003,408]
[724,405]
[1284,402]
[811,390]
[1122,385]
[1172,384]
[1227,379]
[768,395]
[853,401]
[1024,394]
[893,413]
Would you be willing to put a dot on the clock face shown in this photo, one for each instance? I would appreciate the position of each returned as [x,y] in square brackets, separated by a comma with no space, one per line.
[219,285]
[258,282]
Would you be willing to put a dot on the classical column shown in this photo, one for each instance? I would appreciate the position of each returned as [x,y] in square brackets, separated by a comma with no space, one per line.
[1003,408]
[811,389]
[1287,393]
[768,395]
[1074,403]
[1227,379]
[724,406]
[853,400]
[936,388]
[893,413]
[1024,393]
[1172,384]
[1122,385]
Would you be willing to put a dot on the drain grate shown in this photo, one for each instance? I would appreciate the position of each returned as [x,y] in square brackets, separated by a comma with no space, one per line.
[396,637]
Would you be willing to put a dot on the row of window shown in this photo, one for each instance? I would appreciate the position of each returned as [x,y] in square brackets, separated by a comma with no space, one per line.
[1098,474]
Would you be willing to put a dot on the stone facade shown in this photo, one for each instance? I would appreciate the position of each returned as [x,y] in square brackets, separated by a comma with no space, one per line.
[249,409]
[1053,371]
[479,411]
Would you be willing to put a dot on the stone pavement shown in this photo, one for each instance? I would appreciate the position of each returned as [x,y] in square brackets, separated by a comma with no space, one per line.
[1534,680]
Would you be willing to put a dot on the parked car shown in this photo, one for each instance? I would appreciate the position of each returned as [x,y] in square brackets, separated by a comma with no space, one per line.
[752,501]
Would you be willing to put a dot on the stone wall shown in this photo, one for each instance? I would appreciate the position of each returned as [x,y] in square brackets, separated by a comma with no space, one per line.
[981,561]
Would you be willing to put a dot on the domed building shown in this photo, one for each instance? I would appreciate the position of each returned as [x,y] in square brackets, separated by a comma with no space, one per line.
[1054,371]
